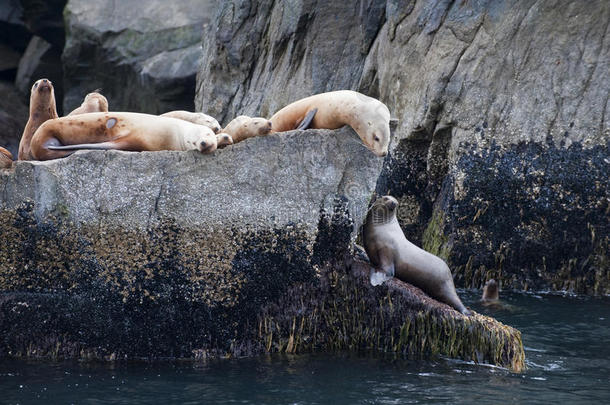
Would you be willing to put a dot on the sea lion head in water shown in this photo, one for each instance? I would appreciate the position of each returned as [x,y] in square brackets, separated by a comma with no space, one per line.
[391,254]
[244,127]
[94,102]
[42,108]
[491,291]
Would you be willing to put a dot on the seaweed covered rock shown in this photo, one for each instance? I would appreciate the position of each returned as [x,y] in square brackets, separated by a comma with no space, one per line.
[153,47]
[177,254]
[500,162]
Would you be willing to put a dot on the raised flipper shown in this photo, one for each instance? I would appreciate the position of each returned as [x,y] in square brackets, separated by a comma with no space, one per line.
[95,146]
[383,272]
[307,120]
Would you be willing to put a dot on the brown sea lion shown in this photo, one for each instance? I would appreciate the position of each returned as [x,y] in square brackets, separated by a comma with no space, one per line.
[195,118]
[491,291]
[42,108]
[391,254]
[6,158]
[119,130]
[94,102]
[369,117]
[244,127]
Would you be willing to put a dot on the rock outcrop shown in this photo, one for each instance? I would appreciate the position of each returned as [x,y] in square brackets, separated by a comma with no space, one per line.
[177,254]
[501,158]
[13,117]
[152,48]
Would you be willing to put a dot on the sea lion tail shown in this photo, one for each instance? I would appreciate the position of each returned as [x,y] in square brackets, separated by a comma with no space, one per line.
[91,146]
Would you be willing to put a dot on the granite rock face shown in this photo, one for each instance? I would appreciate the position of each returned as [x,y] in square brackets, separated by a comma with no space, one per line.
[152,49]
[500,161]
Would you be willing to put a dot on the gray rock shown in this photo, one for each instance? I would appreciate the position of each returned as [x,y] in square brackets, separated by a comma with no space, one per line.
[13,117]
[153,47]
[45,19]
[13,31]
[500,160]
[40,60]
[177,254]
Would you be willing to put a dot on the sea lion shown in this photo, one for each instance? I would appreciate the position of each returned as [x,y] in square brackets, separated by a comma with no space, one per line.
[42,108]
[223,140]
[390,253]
[490,291]
[61,137]
[94,102]
[6,158]
[195,118]
[244,127]
[369,117]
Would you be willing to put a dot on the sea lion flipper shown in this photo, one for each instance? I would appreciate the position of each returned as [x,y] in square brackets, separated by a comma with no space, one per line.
[307,120]
[96,146]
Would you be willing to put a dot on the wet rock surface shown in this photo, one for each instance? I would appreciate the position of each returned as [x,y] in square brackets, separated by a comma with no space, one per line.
[484,92]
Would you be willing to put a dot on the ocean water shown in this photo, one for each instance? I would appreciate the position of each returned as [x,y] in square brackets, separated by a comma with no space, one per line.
[567,342]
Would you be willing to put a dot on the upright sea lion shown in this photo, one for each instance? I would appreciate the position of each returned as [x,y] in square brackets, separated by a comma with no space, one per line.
[390,253]
[490,291]
[370,118]
[42,108]
[119,130]
[94,102]
[195,118]
[6,158]
[244,127]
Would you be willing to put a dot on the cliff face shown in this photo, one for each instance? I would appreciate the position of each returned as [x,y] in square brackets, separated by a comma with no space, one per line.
[500,162]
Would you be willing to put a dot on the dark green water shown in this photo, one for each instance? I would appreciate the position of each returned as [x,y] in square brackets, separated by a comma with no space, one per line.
[567,342]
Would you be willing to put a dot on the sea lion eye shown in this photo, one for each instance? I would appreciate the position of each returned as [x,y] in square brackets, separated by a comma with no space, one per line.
[376,138]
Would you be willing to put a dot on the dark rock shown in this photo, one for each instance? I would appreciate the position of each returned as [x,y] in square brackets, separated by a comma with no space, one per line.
[13,117]
[153,47]
[45,19]
[13,32]
[40,60]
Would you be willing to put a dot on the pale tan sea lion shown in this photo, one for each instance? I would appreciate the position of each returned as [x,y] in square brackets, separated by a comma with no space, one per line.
[223,140]
[6,158]
[390,253]
[42,108]
[369,117]
[119,130]
[244,127]
[94,102]
[195,118]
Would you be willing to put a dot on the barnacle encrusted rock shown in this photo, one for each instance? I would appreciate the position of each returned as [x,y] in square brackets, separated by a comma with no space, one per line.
[178,254]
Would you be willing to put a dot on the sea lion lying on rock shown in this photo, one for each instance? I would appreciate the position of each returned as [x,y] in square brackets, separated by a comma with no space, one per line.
[244,127]
[6,158]
[369,117]
[195,118]
[94,102]
[61,137]
[391,254]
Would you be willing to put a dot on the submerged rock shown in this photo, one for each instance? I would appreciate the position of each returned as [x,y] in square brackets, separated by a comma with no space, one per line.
[501,156]
[177,254]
